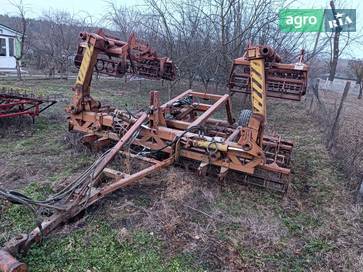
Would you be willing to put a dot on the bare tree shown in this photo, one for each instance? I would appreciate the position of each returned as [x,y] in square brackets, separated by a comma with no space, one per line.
[357,69]
[335,45]
[61,40]
[122,19]
[196,34]
[55,43]
[22,26]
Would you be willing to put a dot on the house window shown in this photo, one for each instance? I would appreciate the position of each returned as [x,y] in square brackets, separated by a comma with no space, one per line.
[2,47]
[11,47]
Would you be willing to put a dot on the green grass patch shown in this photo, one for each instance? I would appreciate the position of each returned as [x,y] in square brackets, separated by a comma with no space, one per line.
[298,223]
[283,259]
[96,248]
[17,219]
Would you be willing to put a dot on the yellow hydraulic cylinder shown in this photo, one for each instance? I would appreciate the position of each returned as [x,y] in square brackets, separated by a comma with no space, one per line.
[211,145]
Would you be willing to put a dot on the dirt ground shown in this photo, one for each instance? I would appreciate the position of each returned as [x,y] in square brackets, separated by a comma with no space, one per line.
[175,220]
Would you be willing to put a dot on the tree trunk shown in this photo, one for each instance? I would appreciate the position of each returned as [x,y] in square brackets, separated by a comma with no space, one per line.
[360,90]
[333,132]
[206,84]
[18,70]
[334,59]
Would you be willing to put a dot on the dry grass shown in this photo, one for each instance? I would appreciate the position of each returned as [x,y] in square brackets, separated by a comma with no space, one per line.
[348,147]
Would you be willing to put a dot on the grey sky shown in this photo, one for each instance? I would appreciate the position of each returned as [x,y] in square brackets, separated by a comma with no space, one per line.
[37,7]
[96,9]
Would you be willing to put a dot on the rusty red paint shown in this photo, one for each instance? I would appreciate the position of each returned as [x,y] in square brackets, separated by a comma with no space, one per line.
[14,104]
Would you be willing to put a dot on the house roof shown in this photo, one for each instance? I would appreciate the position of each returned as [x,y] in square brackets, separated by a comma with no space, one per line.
[10,29]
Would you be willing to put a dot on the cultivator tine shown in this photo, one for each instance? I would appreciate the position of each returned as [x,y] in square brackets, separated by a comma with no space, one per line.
[222,173]
[202,169]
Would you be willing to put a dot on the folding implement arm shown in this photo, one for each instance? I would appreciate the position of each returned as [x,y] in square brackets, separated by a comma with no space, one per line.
[261,74]
[285,81]
[108,55]
[258,81]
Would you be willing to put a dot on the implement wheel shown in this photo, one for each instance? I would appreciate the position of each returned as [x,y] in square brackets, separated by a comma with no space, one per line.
[244,118]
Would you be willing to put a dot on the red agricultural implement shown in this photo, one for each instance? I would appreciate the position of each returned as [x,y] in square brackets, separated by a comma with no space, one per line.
[180,130]
[15,103]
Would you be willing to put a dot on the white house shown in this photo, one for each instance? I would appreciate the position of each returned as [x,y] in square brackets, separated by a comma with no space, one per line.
[9,48]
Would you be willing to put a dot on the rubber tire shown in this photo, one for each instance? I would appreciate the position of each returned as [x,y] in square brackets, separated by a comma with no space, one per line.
[244,118]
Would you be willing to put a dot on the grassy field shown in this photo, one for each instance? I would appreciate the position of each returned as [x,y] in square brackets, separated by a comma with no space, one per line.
[347,148]
[175,220]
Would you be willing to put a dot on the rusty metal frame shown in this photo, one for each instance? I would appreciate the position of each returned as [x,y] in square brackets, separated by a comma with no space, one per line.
[163,130]
[105,54]
[21,103]
[182,128]
[284,81]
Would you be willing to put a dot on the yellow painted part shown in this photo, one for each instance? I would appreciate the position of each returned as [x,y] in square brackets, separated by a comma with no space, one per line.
[257,103]
[256,65]
[256,88]
[257,107]
[211,145]
[257,77]
[258,93]
[85,65]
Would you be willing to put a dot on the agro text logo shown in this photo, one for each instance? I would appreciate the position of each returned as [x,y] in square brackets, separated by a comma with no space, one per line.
[316,20]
